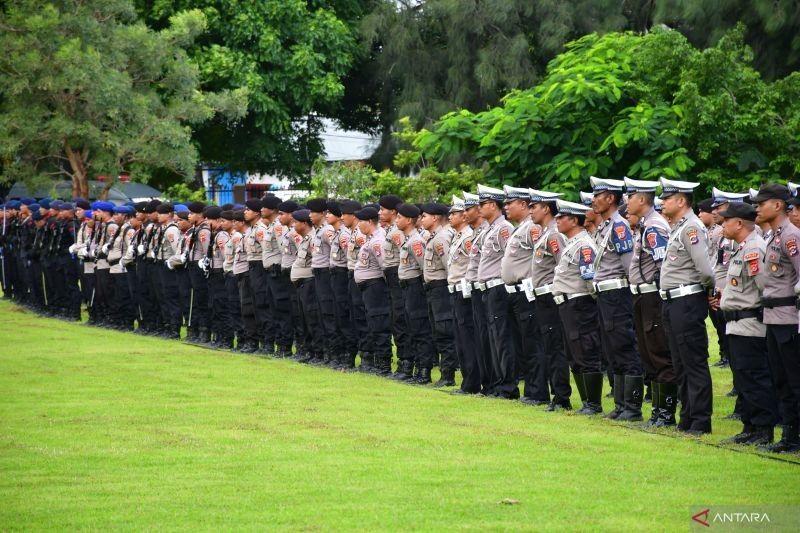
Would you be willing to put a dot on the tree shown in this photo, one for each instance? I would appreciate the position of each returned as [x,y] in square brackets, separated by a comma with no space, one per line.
[641,106]
[85,89]
[292,57]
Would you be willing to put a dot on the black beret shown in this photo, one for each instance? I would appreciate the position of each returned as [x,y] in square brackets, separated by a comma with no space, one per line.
[773,192]
[739,210]
[226,214]
[253,204]
[349,207]
[704,206]
[84,204]
[139,206]
[227,207]
[152,205]
[368,213]
[390,201]
[183,215]
[289,206]
[302,215]
[430,208]
[334,208]
[163,209]
[196,207]
[270,202]
[317,205]
[213,212]
[408,210]
[443,209]
[374,206]
[238,215]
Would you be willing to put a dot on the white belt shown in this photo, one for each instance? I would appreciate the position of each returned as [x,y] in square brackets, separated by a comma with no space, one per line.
[511,289]
[561,298]
[479,286]
[451,288]
[683,290]
[610,284]
[644,288]
[494,283]
[544,289]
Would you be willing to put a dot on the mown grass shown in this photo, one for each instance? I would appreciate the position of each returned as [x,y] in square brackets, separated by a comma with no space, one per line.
[104,430]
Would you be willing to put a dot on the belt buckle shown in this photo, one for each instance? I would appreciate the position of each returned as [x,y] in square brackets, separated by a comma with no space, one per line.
[511,289]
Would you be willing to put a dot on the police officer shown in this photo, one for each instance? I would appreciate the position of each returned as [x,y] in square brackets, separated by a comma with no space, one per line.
[247,338]
[368,275]
[741,307]
[288,257]
[614,302]
[705,212]
[434,271]
[346,354]
[357,320]
[169,238]
[495,296]
[547,248]
[321,237]
[387,212]
[781,290]
[572,291]
[220,324]
[197,268]
[302,276]
[458,261]
[420,350]
[122,316]
[649,251]
[515,270]
[686,281]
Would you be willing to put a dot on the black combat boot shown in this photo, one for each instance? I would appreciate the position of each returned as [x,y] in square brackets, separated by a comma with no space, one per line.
[423,376]
[740,438]
[203,335]
[632,412]
[619,397]
[366,366]
[789,443]
[761,435]
[448,378]
[667,404]
[405,370]
[593,382]
[654,387]
[384,365]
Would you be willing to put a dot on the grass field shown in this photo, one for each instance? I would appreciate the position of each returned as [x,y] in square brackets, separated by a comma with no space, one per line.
[105,430]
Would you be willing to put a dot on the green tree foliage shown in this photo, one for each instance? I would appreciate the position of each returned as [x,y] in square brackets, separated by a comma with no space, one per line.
[641,106]
[85,89]
[291,56]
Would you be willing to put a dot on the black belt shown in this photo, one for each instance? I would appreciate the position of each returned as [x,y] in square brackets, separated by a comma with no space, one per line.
[367,282]
[321,270]
[731,316]
[113,262]
[338,269]
[410,281]
[436,283]
[785,301]
[300,282]
[216,270]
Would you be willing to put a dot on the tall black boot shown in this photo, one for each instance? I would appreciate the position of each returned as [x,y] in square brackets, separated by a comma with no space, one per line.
[667,404]
[203,335]
[404,370]
[448,378]
[654,388]
[384,365]
[619,397]
[593,381]
[789,443]
[367,360]
[423,376]
[581,386]
[632,412]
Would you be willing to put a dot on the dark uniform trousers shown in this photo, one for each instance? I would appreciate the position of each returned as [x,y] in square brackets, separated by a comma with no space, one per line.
[341,301]
[59,290]
[259,289]
[718,321]
[307,297]
[144,295]
[783,347]
[185,296]
[466,342]
[482,343]
[501,343]
[219,306]
[398,317]
[553,357]
[750,367]
[358,316]
[684,321]
[420,346]
[130,275]
[247,310]
[299,331]
[653,344]
[279,286]
[234,306]
[528,347]
[615,314]
[200,307]
[122,304]
[326,304]
[170,297]
[87,289]
[49,281]
[153,270]
[581,338]
[69,269]
[375,294]
[104,292]
[441,318]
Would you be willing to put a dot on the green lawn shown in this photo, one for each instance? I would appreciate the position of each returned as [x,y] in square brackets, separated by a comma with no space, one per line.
[105,430]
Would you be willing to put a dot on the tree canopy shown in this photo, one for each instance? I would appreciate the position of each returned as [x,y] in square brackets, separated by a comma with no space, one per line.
[86,89]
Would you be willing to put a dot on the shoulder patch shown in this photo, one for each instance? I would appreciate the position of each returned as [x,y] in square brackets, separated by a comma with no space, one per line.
[417,248]
[396,239]
[692,234]
[329,235]
[587,254]
[468,245]
[553,244]
[278,230]
[260,234]
[377,249]
[750,256]
[505,233]
[439,248]
[535,233]
[791,246]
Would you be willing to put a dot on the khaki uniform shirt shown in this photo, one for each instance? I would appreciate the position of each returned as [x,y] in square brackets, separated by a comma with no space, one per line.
[459,255]
[547,250]
[782,272]
[687,260]
[436,251]
[493,248]
[743,286]
[575,271]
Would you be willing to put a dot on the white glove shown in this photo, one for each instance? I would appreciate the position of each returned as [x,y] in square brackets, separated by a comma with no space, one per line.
[72,248]
[81,253]
[203,264]
[169,264]
[140,249]
[105,248]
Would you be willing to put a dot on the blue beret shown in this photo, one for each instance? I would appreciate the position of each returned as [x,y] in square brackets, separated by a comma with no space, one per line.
[37,215]
[34,207]
[88,213]
[14,204]
[238,207]
[45,202]
[28,201]
[180,208]
[66,206]
[56,204]
[95,204]
[105,206]
[121,210]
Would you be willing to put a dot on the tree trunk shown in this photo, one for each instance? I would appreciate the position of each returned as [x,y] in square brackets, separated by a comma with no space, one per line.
[77,162]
